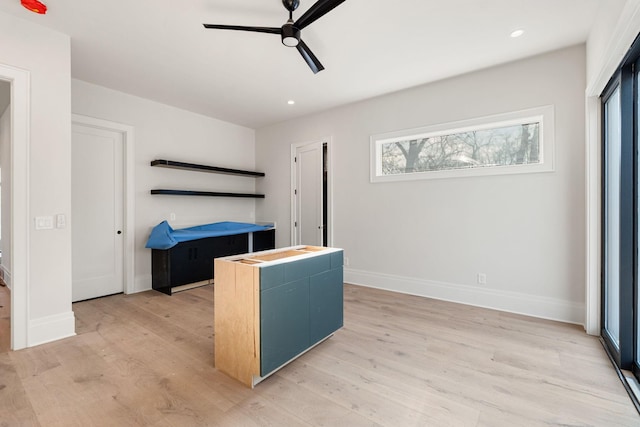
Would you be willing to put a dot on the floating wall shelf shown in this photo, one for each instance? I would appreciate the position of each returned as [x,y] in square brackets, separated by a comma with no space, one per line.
[205,193]
[204,168]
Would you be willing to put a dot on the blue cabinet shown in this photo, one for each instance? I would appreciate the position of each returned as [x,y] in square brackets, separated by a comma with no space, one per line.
[301,303]
[298,296]
[284,324]
[326,304]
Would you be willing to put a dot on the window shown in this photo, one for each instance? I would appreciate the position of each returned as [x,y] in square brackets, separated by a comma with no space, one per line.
[520,142]
[612,174]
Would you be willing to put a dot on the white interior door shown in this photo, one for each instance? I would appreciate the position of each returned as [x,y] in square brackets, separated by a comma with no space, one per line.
[97,212]
[309,194]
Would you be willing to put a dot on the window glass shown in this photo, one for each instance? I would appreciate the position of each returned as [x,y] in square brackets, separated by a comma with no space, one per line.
[501,146]
[612,215]
[517,142]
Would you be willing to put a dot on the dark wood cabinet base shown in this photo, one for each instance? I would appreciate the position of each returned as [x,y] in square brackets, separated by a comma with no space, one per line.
[192,261]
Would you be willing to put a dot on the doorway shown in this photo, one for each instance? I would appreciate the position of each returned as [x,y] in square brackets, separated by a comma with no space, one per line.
[311,194]
[17,213]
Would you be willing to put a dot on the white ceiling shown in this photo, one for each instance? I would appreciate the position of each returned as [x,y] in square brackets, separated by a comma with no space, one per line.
[158,49]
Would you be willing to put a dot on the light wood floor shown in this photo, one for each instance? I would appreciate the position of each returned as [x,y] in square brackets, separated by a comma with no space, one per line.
[147,359]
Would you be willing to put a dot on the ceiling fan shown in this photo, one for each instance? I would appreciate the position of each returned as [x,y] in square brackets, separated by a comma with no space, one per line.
[290,31]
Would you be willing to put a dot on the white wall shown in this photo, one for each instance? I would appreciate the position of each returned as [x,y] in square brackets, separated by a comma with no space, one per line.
[45,54]
[5,192]
[165,132]
[610,37]
[432,237]
[599,41]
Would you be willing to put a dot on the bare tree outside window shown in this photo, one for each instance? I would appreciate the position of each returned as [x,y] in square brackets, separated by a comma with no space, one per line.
[482,145]
[505,146]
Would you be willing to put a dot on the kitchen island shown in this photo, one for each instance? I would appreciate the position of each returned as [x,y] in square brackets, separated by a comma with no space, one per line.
[272,306]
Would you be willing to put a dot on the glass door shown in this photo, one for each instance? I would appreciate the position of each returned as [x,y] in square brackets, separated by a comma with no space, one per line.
[636,358]
[611,214]
[620,112]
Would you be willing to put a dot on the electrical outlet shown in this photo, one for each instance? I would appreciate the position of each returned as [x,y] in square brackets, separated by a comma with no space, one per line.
[482,279]
[172,216]
[346,261]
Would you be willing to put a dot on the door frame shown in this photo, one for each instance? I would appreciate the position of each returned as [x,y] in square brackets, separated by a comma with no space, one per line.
[620,41]
[128,191]
[294,177]
[623,355]
[19,209]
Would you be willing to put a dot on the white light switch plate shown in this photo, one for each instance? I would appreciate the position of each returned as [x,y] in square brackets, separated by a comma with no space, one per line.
[44,222]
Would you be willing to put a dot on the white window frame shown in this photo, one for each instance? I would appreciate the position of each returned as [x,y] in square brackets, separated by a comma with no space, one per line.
[543,115]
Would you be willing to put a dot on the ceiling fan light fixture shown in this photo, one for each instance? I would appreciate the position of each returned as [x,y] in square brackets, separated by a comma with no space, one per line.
[290,41]
[290,35]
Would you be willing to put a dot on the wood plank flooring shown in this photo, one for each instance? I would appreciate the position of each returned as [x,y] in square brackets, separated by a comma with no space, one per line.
[147,360]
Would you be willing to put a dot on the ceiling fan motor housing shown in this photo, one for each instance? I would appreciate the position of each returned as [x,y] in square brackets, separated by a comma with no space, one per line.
[290,34]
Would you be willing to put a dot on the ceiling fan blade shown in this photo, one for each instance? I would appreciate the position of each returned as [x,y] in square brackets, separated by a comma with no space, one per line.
[318,10]
[270,30]
[309,57]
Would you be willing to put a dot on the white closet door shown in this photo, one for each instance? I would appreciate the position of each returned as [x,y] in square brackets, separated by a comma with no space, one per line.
[97,212]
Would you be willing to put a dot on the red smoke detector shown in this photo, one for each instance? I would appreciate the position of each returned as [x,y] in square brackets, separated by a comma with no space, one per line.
[35,6]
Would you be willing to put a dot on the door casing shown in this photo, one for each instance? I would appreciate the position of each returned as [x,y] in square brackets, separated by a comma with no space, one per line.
[19,209]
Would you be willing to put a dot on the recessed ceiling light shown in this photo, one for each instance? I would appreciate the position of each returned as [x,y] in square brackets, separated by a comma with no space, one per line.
[291,102]
[517,33]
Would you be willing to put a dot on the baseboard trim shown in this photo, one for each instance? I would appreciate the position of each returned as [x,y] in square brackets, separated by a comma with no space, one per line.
[512,302]
[142,283]
[51,328]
